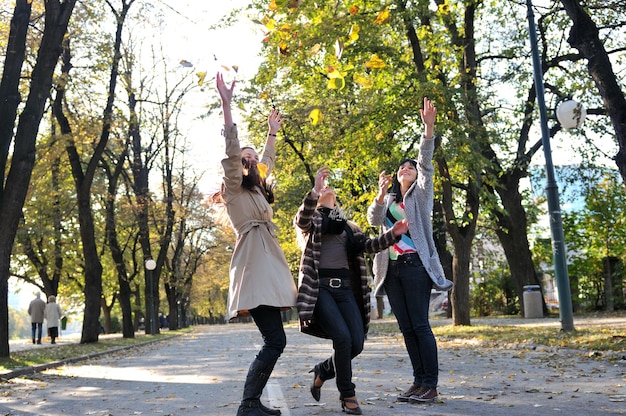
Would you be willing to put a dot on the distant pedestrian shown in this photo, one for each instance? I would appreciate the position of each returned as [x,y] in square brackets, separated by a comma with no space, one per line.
[53,314]
[36,310]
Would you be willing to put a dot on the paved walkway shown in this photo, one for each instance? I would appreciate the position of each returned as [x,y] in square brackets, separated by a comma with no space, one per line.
[202,373]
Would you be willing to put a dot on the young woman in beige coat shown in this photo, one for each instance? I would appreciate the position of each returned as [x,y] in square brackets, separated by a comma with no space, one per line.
[260,279]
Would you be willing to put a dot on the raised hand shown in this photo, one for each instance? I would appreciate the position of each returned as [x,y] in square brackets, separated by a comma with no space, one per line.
[429,114]
[274,121]
[320,177]
[384,180]
[226,92]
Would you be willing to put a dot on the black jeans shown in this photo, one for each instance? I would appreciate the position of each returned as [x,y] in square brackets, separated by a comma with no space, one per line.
[337,312]
[270,323]
[408,289]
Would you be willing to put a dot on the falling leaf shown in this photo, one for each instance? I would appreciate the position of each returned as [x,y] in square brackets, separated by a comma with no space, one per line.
[382,17]
[364,81]
[201,76]
[375,62]
[315,49]
[315,116]
[236,68]
[354,33]
[333,72]
[185,64]
[262,169]
[336,83]
[338,48]
[282,49]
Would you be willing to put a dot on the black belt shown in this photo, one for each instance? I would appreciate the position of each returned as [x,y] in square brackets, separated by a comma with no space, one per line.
[335,282]
[408,258]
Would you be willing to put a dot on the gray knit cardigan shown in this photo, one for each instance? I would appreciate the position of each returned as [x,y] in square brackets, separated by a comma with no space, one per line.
[308,223]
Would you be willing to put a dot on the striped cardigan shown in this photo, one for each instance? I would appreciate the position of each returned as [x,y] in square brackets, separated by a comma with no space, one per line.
[308,223]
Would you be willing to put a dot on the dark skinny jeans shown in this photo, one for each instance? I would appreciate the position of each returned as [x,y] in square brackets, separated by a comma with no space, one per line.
[408,289]
[337,312]
[270,323]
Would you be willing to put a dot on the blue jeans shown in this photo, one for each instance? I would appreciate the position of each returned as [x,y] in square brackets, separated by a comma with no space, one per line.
[270,323]
[337,312]
[408,289]
[37,328]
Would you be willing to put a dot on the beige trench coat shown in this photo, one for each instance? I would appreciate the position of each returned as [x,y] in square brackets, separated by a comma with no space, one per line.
[259,273]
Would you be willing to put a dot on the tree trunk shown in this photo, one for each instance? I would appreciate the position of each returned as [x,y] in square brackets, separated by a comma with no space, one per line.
[57,16]
[512,232]
[584,36]
[117,253]
[172,302]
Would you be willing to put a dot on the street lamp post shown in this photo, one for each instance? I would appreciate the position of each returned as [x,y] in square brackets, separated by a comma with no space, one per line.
[552,190]
[150,266]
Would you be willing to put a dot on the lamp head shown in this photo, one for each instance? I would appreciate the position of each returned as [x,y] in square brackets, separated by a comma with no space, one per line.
[150,264]
[570,114]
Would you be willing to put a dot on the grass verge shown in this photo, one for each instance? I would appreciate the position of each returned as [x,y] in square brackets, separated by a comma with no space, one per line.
[36,356]
[588,337]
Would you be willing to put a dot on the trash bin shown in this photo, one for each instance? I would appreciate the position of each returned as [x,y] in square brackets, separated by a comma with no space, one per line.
[533,306]
[64,323]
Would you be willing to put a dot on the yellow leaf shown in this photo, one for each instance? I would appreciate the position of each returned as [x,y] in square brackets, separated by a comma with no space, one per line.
[336,83]
[333,72]
[236,68]
[315,49]
[262,170]
[354,33]
[364,81]
[315,116]
[382,17]
[270,24]
[201,76]
[273,6]
[375,63]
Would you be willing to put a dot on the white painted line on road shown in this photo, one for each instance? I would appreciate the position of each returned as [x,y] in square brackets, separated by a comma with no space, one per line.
[275,397]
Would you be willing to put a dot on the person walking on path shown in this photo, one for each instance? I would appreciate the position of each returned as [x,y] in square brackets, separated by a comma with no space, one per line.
[408,271]
[260,279]
[36,310]
[334,292]
[53,314]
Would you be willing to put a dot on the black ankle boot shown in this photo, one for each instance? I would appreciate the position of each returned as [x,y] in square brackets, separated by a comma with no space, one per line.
[250,408]
[258,374]
[269,410]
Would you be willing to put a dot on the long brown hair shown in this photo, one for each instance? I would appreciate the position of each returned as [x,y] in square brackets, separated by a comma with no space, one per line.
[251,179]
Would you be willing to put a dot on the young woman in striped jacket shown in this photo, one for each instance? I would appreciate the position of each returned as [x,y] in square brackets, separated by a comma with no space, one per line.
[334,293]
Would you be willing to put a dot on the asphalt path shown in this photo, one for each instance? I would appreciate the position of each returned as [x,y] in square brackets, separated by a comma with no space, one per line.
[202,373]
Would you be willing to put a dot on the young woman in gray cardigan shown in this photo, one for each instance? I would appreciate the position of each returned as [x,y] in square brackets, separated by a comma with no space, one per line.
[408,271]
[334,293]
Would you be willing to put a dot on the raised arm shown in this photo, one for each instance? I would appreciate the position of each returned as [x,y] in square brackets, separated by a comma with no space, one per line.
[428,113]
[226,95]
